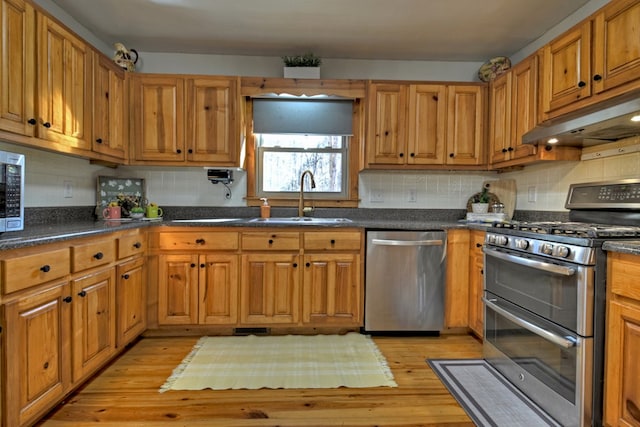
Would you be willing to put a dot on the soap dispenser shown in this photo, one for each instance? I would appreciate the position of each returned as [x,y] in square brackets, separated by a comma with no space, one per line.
[265,209]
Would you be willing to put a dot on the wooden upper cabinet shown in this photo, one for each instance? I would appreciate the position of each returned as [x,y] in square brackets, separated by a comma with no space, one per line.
[157,131]
[513,111]
[566,71]
[110,119]
[387,124]
[500,117]
[524,104]
[616,45]
[427,118]
[465,125]
[414,125]
[17,74]
[212,120]
[178,120]
[64,86]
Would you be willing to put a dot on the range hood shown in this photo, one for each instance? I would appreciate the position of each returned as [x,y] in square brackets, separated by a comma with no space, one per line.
[609,123]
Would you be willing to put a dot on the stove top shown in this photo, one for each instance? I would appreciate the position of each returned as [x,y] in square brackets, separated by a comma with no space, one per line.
[573,229]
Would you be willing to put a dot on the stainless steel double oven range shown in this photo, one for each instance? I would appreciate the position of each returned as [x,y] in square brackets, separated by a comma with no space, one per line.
[545,291]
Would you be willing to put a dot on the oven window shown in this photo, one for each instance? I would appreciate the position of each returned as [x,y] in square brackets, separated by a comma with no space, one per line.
[551,295]
[550,363]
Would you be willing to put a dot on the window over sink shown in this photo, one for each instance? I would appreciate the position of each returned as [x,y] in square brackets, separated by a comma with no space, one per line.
[289,136]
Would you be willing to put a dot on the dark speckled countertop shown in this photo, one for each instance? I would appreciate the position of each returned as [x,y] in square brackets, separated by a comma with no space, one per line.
[627,246]
[38,234]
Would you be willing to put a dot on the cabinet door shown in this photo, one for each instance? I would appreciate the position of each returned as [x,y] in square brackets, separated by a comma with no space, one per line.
[456,311]
[387,123]
[465,128]
[212,129]
[270,289]
[331,294]
[218,289]
[178,290]
[17,73]
[131,297]
[93,322]
[616,45]
[622,394]
[158,117]
[524,105]
[476,283]
[109,120]
[500,118]
[427,124]
[64,86]
[567,68]
[38,370]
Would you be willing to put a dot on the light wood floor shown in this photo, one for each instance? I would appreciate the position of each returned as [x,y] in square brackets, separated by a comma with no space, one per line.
[125,394]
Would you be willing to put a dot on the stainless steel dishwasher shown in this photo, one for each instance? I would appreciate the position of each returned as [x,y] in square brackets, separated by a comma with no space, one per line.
[404,281]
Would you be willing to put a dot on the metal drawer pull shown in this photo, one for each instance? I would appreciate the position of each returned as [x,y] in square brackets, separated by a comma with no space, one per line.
[551,268]
[407,242]
[548,335]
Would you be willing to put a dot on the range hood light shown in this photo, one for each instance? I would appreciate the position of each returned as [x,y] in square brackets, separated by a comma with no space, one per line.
[552,141]
[635,118]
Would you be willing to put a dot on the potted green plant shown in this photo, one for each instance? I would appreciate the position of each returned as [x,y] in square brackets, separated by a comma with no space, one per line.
[306,66]
[480,201]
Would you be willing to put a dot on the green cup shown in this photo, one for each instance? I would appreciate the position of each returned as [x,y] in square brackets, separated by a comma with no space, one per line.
[154,212]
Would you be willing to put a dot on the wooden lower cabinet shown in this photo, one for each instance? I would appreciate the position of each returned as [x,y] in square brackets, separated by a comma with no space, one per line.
[197,289]
[218,289]
[331,293]
[476,282]
[270,289]
[178,289]
[37,354]
[131,299]
[456,310]
[622,371]
[93,321]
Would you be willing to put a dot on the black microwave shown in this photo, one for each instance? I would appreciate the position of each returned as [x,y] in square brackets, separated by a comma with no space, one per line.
[11,191]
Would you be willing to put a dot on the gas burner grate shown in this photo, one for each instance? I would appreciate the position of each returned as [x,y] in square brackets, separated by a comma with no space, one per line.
[573,229]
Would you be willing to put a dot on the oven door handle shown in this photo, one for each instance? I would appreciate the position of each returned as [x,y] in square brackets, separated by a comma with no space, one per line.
[549,336]
[539,265]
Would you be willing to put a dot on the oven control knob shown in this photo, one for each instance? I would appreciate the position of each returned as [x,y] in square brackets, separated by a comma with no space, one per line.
[502,240]
[547,249]
[562,251]
[522,244]
[491,239]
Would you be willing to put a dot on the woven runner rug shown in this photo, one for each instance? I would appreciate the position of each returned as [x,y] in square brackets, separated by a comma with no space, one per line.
[488,398]
[291,361]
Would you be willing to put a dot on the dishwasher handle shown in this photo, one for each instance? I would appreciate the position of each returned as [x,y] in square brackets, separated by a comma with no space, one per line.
[387,242]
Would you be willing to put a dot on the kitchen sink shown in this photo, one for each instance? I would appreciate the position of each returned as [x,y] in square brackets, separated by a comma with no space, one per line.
[208,220]
[299,220]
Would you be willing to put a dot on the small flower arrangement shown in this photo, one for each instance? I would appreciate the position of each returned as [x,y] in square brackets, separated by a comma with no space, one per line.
[306,60]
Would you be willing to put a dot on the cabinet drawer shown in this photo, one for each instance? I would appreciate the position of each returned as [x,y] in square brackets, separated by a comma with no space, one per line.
[276,240]
[92,254]
[332,240]
[624,270]
[131,245]
[207,240]
[24,271]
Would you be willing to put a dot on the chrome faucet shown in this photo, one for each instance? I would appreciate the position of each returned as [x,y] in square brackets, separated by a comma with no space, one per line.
[301,198]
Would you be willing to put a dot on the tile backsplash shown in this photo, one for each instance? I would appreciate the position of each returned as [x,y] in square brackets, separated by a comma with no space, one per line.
[48,173]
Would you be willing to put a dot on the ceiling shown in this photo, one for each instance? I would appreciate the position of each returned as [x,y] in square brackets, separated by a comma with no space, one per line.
[430,30]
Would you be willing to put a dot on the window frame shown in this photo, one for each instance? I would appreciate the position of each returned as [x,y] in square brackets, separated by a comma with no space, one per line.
[354,163]
[312,195]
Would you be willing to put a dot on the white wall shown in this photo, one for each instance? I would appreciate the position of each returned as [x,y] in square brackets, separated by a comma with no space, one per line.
[47,172]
